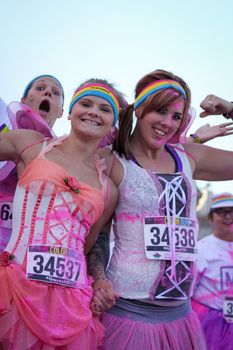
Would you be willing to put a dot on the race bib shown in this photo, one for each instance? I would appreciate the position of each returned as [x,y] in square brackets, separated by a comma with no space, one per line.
[228,309]
[6,214]
[157,240]
[53,264]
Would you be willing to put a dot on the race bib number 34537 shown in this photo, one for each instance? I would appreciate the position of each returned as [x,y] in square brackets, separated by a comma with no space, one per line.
[157,238]
[53,264]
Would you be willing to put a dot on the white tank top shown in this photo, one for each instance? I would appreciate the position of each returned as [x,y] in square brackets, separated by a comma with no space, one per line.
[143,194]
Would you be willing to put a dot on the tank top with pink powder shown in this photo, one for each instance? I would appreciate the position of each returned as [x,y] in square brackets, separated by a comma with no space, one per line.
[52,208]
[147,194]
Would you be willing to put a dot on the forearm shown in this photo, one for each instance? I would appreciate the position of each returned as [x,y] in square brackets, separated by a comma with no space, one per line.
[99,256]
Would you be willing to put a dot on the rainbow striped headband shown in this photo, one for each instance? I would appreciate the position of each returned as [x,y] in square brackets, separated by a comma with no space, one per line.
[156,86]
[98,90]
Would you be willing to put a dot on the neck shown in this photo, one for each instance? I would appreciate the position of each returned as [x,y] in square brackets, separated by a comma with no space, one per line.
[79,146]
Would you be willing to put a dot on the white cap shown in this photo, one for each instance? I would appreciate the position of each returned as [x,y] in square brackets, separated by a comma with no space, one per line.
[222,200]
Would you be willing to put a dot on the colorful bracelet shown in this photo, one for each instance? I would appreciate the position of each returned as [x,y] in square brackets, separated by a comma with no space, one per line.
[195,138]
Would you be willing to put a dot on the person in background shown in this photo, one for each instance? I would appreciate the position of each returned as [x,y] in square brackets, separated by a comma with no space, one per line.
[213,292]
[41,105]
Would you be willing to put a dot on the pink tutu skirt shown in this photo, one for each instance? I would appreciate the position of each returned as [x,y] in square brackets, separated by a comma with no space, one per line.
[41,316]
[140,326]
[218,332]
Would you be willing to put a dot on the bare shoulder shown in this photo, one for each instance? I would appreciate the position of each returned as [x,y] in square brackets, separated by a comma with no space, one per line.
[196,150]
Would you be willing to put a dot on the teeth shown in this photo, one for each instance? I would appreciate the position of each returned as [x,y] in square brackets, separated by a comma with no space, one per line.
[91,122]
[160,132]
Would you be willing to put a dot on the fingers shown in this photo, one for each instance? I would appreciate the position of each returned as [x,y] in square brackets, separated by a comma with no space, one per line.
[227,133]
[226,124]
[215,105]
[103,299]
[204,114]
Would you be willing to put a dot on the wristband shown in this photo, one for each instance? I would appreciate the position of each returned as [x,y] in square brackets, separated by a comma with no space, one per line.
[229,115]
[195,138]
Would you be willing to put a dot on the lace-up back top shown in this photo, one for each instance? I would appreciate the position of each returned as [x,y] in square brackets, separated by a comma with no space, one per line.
[144,193]
[53,208]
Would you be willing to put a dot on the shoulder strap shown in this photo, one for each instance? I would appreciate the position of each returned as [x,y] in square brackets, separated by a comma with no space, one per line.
[48,147]
[181,149]
[31,144]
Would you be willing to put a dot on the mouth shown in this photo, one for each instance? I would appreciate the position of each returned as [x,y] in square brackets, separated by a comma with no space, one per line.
[44,106]
[228,223]
[92,122]
[159,132]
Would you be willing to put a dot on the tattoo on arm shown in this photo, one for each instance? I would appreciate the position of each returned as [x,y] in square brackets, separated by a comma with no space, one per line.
[99,256]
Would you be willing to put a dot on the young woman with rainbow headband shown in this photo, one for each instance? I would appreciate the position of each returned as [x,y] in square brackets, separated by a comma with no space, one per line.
[62,197]
[152,268]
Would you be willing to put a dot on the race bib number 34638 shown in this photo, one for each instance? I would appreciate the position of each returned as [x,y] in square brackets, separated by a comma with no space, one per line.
[157,238]
[53,264]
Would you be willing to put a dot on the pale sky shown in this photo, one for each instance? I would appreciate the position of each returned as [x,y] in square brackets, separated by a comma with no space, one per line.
[120,41]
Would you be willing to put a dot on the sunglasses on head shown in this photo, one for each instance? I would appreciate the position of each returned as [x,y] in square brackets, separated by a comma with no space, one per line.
[223,211]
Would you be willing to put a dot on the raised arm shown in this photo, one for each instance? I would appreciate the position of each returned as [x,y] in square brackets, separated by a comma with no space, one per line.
[211,164]
[13,142]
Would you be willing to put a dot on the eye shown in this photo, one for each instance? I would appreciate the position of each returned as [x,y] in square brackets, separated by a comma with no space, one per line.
[106,109]
[40,88]
[56,92]
[161,111]
[177,117]
[84,103]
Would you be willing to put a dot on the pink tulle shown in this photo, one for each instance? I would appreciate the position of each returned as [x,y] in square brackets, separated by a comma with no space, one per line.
[127,334]
[37,315]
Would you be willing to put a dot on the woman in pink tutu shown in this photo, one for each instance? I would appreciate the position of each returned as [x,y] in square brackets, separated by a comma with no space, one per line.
[61,195]
[152,267]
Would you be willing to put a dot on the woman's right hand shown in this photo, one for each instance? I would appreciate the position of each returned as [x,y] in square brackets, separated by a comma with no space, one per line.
[103,297]
[214,105]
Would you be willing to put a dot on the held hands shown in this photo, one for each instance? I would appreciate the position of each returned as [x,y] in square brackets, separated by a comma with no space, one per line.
[103,296]
[214,105]
[207,132]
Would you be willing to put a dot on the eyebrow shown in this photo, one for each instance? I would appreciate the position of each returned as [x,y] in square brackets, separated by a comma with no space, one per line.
[44,82]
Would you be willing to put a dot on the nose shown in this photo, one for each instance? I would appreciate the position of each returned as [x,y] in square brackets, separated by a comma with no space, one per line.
[94,111]
[48,91]
[166,120]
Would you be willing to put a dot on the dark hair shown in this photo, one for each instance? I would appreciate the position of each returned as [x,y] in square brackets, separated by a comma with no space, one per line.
[159,99]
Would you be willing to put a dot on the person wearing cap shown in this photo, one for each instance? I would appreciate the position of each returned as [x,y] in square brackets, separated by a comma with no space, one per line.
[41,104]
[213,293]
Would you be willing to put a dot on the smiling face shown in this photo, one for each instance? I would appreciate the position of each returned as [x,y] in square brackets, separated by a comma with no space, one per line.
[45,97]
[222,223]
[158,126]
[92,116]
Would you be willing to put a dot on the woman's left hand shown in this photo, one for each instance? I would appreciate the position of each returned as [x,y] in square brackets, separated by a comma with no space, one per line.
[207,132]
